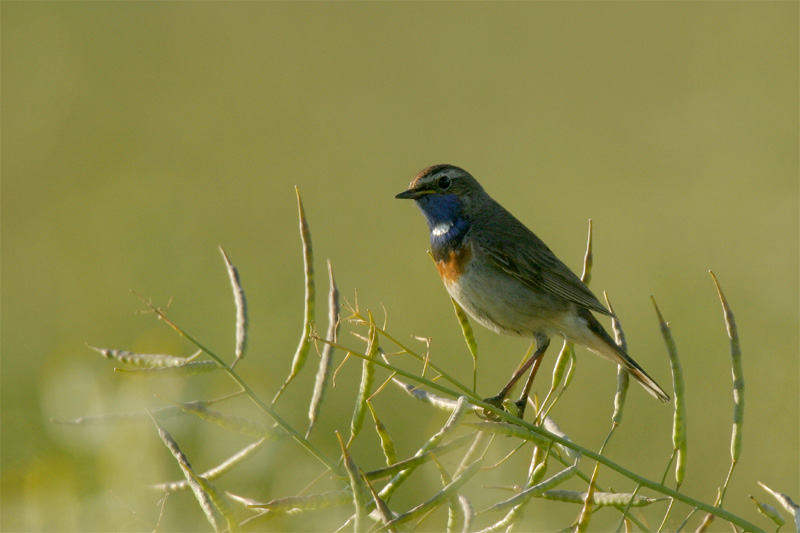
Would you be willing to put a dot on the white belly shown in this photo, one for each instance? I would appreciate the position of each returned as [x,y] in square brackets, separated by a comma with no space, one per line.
[503,304]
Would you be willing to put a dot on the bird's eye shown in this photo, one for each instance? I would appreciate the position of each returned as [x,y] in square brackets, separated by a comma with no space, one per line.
[443,182]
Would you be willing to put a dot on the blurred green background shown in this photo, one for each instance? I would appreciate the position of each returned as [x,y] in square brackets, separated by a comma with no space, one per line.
[137,137]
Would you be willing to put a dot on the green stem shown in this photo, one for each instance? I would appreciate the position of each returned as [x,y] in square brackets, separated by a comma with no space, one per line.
[444,374]
[284,425]
[399,371]
[658,487]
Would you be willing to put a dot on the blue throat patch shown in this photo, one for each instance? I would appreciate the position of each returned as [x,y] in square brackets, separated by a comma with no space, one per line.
[444,242]
[444,214]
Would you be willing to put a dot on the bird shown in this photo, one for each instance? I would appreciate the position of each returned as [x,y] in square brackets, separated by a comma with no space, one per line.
[506,278]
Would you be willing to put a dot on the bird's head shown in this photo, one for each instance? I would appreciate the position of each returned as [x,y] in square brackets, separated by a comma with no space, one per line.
[445,194]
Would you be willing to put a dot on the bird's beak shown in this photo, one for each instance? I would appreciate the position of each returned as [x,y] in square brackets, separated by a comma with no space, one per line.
[413,194]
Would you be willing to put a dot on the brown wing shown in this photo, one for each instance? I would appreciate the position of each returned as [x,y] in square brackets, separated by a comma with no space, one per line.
[533,263]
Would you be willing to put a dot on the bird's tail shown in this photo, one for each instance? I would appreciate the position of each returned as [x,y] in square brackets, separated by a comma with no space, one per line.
[646,381]
[601,343]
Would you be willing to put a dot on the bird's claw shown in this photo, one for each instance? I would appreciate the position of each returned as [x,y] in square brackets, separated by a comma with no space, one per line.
[521,404]
[505,404]
[497,401]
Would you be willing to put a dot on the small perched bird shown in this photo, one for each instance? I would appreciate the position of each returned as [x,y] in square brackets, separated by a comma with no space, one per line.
[506,278]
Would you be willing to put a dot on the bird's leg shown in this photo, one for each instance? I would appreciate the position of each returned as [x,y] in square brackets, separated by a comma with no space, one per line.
[542,342]
[522,402]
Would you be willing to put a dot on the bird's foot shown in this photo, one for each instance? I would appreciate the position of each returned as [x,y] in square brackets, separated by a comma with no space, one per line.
[497,401]
[521,404]
[516,408]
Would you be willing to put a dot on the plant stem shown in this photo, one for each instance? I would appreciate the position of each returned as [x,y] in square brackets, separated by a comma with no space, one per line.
[284,425]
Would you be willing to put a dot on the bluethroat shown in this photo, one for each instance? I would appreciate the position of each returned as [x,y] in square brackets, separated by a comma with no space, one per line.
[506,278]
